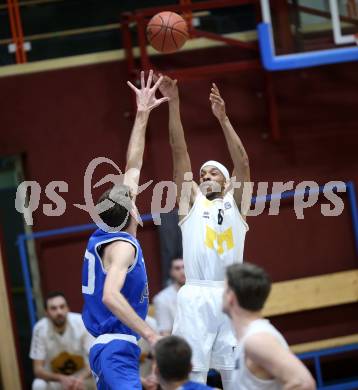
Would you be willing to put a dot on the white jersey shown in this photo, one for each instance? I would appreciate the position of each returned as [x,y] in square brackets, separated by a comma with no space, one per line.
[213,237]
[245,380]
[165,303]
[63,353]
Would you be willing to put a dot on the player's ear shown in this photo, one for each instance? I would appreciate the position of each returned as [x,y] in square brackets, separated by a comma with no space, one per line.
[155,369]
[231,297]
[228,186]
[234,299]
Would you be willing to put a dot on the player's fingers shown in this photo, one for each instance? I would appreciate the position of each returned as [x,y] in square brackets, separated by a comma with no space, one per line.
[218,102]
[142,82]
[155,77]
[132,87]
[164,99]
[216,98]
[215,91]
[175,82]
[216,88]
[150,78]
[159,102]
[156,85]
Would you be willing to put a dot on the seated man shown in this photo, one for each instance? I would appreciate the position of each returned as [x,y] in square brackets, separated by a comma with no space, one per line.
[172,356]
[59,348]
[264,359]
[165,302]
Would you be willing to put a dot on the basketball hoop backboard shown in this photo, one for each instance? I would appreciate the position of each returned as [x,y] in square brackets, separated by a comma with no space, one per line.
[302,33]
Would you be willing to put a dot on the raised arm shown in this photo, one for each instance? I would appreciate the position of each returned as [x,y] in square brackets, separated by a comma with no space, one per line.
[118,257]
[264,352]
[146,101]
[237,151]
[180,155]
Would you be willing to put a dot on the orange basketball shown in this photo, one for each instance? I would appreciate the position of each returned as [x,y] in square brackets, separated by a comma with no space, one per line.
[167,32]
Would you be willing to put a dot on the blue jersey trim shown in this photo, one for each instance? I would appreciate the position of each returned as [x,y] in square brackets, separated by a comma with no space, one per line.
[117,239]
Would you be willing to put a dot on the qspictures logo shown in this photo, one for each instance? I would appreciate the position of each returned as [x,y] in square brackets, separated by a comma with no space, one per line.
[164,196]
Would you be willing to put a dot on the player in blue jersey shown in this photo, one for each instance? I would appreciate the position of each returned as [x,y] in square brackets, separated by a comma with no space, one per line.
[114,279]
[172,356]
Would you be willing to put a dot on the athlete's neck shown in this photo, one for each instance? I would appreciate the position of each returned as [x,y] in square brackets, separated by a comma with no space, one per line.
[132,230]
[172,385]
[177,285]
[242,319]
[214,195]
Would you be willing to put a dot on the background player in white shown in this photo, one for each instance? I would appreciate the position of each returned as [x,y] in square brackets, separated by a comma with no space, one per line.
[264,359]
[214,229]
[165,302]
[59,348]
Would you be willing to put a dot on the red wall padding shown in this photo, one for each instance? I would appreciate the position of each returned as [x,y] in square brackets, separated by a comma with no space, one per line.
[62,119]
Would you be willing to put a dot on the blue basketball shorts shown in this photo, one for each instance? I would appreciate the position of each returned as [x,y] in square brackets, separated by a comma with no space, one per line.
[115,365]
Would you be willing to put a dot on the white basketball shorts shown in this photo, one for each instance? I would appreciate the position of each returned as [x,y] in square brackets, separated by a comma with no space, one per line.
[200,321]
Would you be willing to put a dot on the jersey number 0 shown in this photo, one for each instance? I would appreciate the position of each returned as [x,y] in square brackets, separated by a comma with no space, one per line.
[91,261]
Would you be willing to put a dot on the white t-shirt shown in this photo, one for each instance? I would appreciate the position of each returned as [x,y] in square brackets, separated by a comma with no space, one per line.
[165,303]
[213,237]
[64,353]
[245,380]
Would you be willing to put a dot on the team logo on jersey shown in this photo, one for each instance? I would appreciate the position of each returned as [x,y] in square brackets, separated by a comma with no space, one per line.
[227,205]
[145,293]
[206,214]
[219,241]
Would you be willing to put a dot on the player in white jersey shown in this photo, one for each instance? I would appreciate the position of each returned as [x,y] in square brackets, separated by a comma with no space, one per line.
[264,359]
[214,229]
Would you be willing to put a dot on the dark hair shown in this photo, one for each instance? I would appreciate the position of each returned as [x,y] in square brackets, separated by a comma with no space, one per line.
[173,357]
[53,294]
[175,259]
[250,283]
[119,213]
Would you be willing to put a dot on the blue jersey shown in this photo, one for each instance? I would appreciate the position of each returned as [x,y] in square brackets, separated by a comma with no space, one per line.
[97,318]
[194,386]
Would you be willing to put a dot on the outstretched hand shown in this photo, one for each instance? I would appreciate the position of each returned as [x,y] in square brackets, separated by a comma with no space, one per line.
[146,99]
[168,87]
[217,103]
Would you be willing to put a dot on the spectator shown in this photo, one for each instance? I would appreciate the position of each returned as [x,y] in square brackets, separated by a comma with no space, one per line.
[59,348]
[173,364]
[165,302]
[264,359]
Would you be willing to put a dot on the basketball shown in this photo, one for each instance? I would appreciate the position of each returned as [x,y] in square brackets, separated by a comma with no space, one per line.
[167,32]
